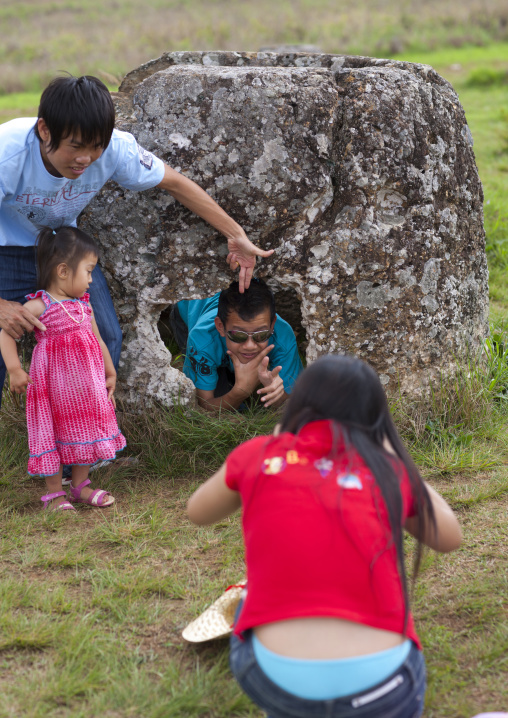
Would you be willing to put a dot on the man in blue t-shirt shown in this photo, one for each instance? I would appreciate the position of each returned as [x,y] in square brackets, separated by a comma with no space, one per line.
[235,342]
[52,166]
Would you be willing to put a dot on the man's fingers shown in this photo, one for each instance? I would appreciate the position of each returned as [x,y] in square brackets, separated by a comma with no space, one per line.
[276,371]
[248,277]
[29,321]
[264,362]
[234,359]
[242,280]
[13,333]
[21,321]
[263,354]
[272,388]
[16,329]
[37,323]
[26,323]
[274,391]
[264,252]
[270,399]
[264,375]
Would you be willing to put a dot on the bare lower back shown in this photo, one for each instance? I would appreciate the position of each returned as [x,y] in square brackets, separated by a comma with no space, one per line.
[324,638]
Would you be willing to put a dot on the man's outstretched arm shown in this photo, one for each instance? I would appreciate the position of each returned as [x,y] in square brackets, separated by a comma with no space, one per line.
[227,402]
[242,252]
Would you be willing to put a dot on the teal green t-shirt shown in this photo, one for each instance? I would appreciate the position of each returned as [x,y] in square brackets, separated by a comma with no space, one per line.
[207,350]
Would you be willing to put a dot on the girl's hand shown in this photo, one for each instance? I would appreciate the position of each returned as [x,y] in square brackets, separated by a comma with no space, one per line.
[19,381]
[111,386]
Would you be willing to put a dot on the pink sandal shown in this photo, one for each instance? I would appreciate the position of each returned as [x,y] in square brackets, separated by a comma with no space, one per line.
[64,506]
[96,498]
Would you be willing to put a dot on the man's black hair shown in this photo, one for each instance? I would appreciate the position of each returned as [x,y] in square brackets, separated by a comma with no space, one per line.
[77,104]
[252,302]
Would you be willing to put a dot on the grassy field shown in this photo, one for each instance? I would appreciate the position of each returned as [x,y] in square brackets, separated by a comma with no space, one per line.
[41,37]
[92,606]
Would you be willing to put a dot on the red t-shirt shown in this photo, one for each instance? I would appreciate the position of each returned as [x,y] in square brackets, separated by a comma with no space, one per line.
[316,532]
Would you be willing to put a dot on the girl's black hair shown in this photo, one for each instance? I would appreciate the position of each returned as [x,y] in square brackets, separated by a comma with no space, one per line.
[66,244]
[348,392]
[81,105]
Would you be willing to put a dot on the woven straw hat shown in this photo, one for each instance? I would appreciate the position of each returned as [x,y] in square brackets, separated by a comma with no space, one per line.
[217,620]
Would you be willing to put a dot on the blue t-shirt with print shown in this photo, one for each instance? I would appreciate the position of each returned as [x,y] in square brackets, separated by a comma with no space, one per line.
[207,350]
[30,196]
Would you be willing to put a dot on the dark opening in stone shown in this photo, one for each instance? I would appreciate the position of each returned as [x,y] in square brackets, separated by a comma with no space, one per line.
[287,305]
[169,333]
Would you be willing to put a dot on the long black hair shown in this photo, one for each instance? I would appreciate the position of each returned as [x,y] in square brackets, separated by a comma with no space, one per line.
[347,391]
[66,244]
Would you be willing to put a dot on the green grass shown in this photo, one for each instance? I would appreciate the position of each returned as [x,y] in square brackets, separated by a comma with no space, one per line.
[459,426]
[19,104]
[93,604]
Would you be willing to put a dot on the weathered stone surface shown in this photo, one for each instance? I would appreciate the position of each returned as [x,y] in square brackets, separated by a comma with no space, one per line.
[359,172]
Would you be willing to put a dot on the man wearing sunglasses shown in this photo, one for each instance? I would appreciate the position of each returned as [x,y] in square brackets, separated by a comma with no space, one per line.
[235,344]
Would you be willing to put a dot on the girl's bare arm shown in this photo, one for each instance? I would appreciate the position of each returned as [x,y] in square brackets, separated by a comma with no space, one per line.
[18,377]
[448,534]
[213,500]
[9,351]
[109,367]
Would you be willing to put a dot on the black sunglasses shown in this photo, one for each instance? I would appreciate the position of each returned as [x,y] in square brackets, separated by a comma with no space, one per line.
[259,337]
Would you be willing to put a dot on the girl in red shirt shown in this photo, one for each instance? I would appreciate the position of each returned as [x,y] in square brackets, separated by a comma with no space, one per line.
[325,627]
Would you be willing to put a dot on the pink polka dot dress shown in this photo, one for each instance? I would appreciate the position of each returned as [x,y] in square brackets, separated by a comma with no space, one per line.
[69,417]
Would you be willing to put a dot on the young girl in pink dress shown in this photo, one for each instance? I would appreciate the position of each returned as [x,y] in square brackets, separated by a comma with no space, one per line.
[70,406]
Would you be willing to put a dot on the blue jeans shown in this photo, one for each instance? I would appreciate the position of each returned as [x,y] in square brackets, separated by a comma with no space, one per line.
[18,277]
[399,696]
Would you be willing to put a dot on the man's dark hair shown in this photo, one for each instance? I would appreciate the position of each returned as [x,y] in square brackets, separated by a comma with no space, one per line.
[77,104]
[252,302]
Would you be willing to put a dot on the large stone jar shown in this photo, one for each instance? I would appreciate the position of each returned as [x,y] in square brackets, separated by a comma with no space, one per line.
[359,172]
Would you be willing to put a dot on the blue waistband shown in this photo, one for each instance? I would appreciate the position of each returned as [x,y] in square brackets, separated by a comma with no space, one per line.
[327,679]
